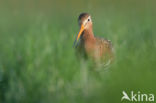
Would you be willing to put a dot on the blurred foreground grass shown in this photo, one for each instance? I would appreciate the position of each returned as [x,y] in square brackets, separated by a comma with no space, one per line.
[38,63]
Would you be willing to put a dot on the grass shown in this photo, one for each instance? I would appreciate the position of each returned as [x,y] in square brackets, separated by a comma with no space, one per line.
[38,63]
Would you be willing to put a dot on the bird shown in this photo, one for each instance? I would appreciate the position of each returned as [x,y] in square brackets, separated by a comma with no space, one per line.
[87,45]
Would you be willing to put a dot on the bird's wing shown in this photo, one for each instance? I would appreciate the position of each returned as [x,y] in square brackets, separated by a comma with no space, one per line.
[104,43]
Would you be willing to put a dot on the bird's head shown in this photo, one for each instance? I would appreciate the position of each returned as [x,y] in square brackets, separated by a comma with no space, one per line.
[85,23]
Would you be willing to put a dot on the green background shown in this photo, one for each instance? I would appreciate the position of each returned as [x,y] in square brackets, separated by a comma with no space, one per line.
[38,63]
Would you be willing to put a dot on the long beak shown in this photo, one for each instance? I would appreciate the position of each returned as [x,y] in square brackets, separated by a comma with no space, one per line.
[79,34]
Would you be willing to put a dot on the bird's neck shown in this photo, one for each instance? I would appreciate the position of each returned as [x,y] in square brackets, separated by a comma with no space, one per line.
[88,35]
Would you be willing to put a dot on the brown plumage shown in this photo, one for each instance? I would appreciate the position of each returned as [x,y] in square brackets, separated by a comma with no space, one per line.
[98,49]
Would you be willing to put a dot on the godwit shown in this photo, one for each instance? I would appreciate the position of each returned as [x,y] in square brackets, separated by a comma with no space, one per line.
[98,49]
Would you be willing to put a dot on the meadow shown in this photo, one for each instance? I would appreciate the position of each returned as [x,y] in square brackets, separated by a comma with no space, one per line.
[38,62]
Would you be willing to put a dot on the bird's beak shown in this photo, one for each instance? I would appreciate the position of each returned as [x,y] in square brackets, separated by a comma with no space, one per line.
[79,34]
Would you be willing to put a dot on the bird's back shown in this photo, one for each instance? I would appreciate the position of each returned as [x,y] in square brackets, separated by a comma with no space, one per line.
[100,49]
[104,45]
[105,50]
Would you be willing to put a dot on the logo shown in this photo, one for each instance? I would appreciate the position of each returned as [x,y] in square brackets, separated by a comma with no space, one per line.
[137,96]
